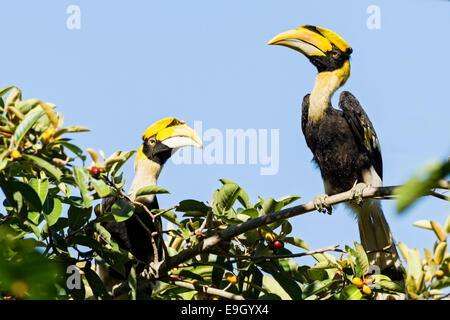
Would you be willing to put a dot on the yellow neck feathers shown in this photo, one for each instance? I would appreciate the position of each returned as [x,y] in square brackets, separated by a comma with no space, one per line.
[326,84]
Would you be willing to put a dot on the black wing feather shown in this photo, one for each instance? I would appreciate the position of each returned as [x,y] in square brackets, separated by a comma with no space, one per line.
[362,129]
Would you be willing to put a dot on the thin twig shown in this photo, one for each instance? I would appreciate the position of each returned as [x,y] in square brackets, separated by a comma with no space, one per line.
[208,290]
[283,256]
[439,195]
[167,210]
[150,234]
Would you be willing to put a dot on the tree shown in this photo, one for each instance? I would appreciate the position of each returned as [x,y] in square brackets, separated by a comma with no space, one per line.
[50,231]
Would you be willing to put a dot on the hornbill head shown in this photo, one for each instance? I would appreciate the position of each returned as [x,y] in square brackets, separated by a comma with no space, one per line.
[164,138]
[325,49]
[160,141]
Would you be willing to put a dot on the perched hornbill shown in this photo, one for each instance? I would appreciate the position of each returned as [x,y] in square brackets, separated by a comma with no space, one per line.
[343,142]
[160,141]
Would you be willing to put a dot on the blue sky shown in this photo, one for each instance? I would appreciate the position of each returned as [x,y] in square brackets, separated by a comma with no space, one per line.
[135,62]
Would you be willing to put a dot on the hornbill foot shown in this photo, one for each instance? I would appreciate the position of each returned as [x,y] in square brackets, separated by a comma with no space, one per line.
[356,193]
[320,203]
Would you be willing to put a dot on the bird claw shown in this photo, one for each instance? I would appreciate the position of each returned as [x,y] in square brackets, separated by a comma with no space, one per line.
[356,193]
[320,203]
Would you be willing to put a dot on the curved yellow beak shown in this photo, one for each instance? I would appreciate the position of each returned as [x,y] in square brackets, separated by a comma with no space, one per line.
[310,40]
[174,133]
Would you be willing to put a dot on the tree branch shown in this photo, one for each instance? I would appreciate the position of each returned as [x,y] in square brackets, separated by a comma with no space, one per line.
[232,231]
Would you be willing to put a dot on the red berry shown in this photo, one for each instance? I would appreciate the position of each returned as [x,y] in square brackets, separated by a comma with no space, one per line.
[176,277]
[94,171]
[200,236]
[278,244]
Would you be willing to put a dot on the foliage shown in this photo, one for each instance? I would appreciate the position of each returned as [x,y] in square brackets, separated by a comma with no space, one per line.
[427,277]
[52,221]
[421,184]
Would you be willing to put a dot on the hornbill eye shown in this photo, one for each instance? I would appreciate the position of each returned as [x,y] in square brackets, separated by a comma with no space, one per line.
[152,142]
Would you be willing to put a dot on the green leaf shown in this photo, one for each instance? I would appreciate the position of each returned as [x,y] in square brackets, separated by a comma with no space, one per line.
[78,216]
[362,258]
[447,224]
[52,209]
[115,259]
[117,160]
[132,283]
[269,296]
[351,292]
[323,261]
[43,164]
[269,206]
[296,242]
[96,284]
[415,267]
[242,197]
[390,286]
[75,149]
[316,287]
[252,213]
[25,125]
[289,285]
[33,228]
[193,206]
[171,216]
[292,268]
[5,90]
[218,270]
[100,187]
[286,200]
[33,216]
[440,251]
[105,235]
[273,287]
[354,262]
[28,193]
[439,231]
[404,250]
[250,283]
[122,210]
[286,227]
[226,197]
[81,176]
[191,275]
[425,224]
[70,130]
[420,184]
[441,283]
[150,190]
[84,241]
[41,187]
[26,106]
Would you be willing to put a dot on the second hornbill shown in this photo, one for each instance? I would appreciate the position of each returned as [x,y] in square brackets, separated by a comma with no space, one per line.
[160,141]
[343,142]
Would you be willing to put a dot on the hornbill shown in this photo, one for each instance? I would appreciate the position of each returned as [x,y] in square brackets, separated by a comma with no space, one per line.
[343,142]
[160,141]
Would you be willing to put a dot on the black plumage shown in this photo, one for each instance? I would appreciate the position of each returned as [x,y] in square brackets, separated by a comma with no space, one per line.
[130,235]
[338,143]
